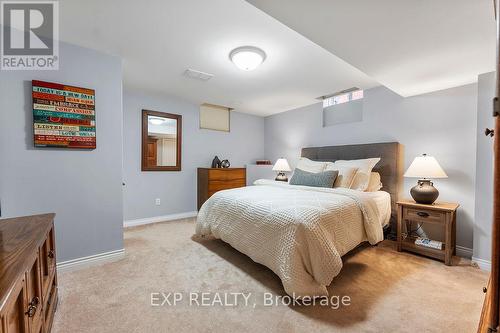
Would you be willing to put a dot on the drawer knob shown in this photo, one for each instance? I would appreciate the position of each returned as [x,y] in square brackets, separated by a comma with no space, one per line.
[32,306]
[51,254]
[485,290]
[489,132]
[35,301]
[31,311]
[423,214]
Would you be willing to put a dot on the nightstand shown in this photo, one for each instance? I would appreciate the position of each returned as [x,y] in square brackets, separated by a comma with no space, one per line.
[443,214]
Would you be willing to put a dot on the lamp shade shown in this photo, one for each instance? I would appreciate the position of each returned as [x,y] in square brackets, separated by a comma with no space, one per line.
[281,165]
[425,167]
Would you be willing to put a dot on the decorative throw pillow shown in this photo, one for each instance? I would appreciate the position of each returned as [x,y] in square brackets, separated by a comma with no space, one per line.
[362,177]
[306,164]
[345,176]
[375,184]
[316,179]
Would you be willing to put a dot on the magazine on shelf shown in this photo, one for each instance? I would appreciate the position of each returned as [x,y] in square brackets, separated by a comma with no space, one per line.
[426,242]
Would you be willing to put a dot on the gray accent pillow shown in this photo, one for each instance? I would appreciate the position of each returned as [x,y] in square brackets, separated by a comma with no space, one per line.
[319,179]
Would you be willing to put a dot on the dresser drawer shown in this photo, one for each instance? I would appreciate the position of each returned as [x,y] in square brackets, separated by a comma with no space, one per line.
[212,180]
[50,304]
[13,316]
[47,262]
[33,309]
[228,174]
[423,215]
[219,185]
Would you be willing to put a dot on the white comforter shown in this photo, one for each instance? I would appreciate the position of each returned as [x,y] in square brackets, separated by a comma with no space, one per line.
[299,232]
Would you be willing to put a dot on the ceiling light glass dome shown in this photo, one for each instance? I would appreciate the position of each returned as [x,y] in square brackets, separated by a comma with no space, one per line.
[247,58]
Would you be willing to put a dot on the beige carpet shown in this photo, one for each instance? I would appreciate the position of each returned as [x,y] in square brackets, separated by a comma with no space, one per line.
[389,291]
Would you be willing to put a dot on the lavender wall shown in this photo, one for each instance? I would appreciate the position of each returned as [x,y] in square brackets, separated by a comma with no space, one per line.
[177,189]
[83,187]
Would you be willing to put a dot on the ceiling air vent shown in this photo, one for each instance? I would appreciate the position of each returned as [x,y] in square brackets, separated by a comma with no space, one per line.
[197,75]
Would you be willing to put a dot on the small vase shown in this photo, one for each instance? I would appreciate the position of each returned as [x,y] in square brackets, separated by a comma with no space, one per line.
[216,162]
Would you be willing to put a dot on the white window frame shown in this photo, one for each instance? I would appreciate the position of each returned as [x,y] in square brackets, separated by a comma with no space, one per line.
[343,98]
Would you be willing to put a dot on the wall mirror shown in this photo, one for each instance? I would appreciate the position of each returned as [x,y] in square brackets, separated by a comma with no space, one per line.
[161,141]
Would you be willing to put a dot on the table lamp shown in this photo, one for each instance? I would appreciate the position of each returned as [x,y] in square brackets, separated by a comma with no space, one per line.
[425,167]
[281,166]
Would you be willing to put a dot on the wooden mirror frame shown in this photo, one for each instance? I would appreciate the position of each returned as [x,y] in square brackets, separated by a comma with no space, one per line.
[144,164]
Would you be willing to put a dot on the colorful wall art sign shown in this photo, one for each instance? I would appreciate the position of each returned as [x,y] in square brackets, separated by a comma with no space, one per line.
[63,116]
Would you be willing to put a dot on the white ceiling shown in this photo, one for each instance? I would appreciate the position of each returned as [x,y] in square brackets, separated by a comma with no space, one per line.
[159,40]
[410,46]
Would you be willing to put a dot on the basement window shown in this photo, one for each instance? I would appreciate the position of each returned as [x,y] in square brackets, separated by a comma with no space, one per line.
[215,117]
[342,98]
[343,108]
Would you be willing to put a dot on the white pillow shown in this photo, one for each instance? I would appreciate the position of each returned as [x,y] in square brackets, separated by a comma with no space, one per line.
[311,166]
[345,176]
[375,184]
[362,177]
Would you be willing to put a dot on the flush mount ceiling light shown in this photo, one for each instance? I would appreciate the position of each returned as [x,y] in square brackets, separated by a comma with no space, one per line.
[247,58]
[156,121]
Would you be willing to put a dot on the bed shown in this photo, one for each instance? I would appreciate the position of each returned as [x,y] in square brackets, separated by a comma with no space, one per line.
[302,232]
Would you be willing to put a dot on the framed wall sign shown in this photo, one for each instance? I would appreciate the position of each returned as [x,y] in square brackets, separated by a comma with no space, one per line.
[63,116]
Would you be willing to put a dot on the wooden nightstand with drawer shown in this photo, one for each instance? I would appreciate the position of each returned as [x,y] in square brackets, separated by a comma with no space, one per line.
[444,214]
[212,180]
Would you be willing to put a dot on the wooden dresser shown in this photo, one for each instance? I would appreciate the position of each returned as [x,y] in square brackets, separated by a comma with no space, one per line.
[211,180]
[28,277]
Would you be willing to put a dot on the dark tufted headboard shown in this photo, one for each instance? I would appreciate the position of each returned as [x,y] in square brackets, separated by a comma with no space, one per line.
[390,166]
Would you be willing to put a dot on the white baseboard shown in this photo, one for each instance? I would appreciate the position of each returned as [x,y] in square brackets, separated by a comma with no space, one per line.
[483,264]
[96,259]
[464,252]
[156,219]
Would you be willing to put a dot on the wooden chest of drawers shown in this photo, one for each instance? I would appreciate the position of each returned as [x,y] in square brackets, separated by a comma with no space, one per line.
[211,180]
[28,277]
